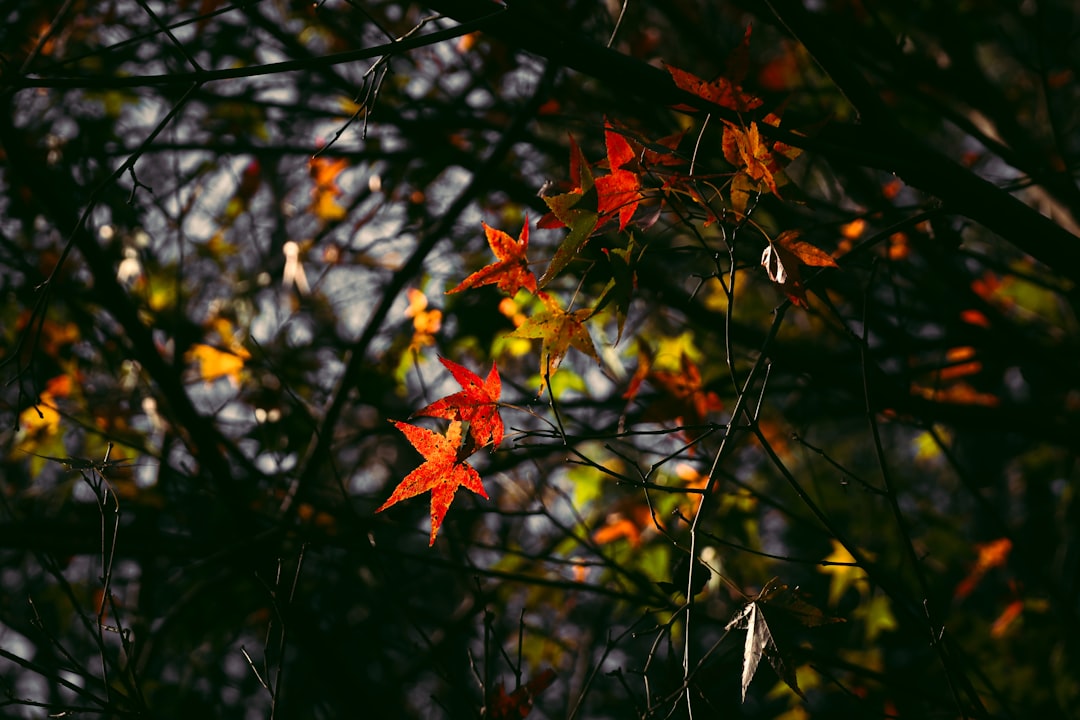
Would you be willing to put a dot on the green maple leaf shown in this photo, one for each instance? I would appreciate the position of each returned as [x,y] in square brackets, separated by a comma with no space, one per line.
[575,209]
[558,331]
[620,288]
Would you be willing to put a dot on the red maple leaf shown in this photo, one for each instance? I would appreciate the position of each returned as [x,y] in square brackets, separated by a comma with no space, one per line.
[511,270]
[477,404]
[662,152]
[619,191]
[518,704]
[441,473]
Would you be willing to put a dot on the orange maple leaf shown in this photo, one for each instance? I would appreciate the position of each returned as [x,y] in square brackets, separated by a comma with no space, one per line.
[477,404]
[558,330]
[720,91]
[725,91]
[511,270]
[619,191]
[745,150]
[632,523]
[324,172]
[991,554]
[1007,617]
[425,322]
[781,259]
[441,473]
[684,399]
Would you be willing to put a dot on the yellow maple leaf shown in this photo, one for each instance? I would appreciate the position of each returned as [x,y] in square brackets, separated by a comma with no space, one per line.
[558,331]
[215,364]
[877,616]
[38,421]
[843,571]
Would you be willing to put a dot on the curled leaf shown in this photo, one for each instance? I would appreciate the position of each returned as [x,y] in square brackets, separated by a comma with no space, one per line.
[781,604]
[781,260]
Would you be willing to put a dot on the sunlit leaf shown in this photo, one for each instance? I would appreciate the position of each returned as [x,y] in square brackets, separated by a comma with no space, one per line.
[441,473]
[618,192]
[778,602]
[558,331]
[215,364]
[511,270]
[746,150]
[843,572]
[477,404]
[782,257]
[41,418]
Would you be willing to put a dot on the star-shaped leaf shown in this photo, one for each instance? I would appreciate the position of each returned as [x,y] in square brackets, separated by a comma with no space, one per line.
[575,209]
[745,149]
[510,272]
[782,605]
[620,288]
[477,404]
[726,90]
[442,472]
[562,202]
[720,91]
[684,397]
[619,191]
[582,223]
[757,161]
[781,259]
[558,330]
[844,572]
